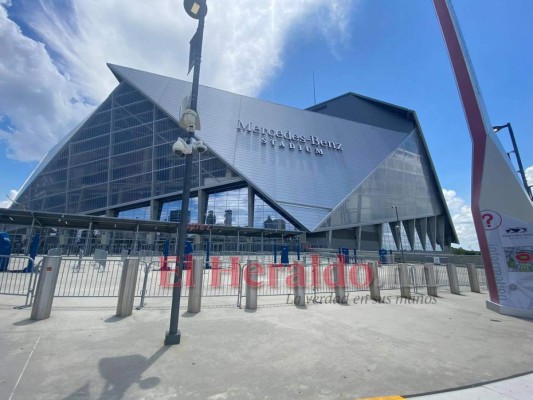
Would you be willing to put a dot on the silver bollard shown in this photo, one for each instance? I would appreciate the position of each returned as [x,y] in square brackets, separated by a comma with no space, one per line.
[299,283]
[128,281]
[405,288]
[472,278]
[431,280]
[374,283]
[195,291]
[453,279]
[44,296]
[251,286]
[340,284]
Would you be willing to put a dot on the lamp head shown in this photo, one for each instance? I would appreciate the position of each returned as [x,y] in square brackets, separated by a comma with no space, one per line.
[196,9]
[498,128]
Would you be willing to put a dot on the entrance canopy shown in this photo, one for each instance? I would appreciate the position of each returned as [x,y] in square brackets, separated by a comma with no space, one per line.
[77,221]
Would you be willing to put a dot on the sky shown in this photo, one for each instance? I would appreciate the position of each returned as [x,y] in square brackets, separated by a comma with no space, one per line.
[53,73]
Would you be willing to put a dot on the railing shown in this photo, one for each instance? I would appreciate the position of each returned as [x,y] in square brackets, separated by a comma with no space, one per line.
[99,276]
[79,277]
[16,274]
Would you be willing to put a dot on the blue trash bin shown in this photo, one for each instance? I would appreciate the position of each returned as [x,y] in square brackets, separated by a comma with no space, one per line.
[382,256]
[285,255]
[5,251]
[346,253]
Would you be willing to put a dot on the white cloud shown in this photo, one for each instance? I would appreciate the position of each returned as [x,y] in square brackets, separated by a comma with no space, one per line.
[39,104]
[50,84]
[7,202]
[529,175]
[462,220]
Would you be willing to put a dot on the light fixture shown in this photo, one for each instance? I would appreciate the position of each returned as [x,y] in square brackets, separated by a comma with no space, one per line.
[196,9]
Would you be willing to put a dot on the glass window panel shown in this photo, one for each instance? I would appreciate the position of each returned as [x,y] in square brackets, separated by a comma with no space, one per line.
[229,208]
[171,211]
[266,217]
[136,213]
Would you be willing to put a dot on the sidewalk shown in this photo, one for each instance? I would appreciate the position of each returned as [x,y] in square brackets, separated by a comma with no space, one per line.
[325,351]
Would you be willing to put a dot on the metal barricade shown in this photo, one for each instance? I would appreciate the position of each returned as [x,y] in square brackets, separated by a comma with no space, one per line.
[99,276]
[17,276]
[389,277]
[87,277]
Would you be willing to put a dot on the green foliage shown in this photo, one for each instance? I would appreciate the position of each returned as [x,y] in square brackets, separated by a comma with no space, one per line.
[464,252]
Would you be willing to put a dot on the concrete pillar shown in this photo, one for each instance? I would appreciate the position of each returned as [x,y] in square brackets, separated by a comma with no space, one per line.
[128,281]
[44,294]
[409,227]
[405,289]
[195,291]
[299,283]
[431,280]
[155,209]
[421,225]
[472,278]
[453,279]
[374,283]
[379,230]
[432,231]
[251,205]
[358,238]
[339,277]
[441,228]
[251,286]
[202,206]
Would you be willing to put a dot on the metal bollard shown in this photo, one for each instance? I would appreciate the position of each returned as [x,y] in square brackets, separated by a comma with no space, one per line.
[431,281]
[339,271]
[251,285]
[195,291]
[299,284]
[453,279]
[44,296]
[374,283]
[472,278]
[147,270]
[128,281]
[405,289]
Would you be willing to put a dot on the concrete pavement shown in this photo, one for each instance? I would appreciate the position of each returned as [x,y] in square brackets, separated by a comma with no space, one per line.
[324,351]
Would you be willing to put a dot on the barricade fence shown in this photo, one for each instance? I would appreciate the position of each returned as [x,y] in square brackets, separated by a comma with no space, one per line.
[80,277]
[99,276]
[16,274]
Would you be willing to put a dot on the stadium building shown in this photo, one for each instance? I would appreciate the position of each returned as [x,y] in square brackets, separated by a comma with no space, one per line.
[350,172]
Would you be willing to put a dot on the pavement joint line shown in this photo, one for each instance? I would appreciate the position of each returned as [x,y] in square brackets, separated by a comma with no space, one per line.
[383,398]
[24,369]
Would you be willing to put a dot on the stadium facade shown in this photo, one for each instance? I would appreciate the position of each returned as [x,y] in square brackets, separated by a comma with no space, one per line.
[350,172]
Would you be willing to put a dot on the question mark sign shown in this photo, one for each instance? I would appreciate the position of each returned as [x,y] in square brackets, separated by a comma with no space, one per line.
[488,219]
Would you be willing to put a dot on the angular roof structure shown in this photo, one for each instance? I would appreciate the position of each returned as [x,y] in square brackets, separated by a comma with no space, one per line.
[343,163]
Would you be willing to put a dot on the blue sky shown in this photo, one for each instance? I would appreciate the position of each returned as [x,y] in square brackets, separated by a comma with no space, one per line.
[53,73]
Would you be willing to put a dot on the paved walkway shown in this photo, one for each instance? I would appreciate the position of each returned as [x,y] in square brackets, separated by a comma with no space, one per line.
[325,351]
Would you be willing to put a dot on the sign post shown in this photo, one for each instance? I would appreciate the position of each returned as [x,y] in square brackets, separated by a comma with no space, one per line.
[501,209]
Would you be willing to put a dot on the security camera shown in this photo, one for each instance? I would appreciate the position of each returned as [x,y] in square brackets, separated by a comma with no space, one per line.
[181,148]
[199,146]
[190,121]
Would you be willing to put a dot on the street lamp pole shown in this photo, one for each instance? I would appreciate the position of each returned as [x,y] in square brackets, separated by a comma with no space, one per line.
[399,232]
[517,155]
[197,10]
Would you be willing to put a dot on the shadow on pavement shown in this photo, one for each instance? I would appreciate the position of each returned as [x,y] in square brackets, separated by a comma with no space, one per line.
[189,315]
[114,318]
[120,373]
[24,322]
